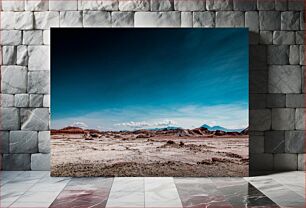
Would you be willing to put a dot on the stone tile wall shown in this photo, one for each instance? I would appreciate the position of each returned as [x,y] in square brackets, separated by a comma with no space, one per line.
[277,127]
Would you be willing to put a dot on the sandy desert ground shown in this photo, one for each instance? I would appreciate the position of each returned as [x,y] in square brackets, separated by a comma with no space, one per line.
[138,154]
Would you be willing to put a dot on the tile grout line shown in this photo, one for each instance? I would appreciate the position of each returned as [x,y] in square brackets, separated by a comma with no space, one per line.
[13,178]
[288,187]
[144,192]
[179,197]
[60,191]
[268,193]
[25,191]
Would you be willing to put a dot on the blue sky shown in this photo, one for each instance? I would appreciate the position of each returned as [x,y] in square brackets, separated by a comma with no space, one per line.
[125,79]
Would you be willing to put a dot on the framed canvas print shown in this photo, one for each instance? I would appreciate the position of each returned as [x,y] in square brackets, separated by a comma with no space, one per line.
[149,102]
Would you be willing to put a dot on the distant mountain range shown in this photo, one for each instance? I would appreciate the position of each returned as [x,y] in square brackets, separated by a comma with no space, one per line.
[165,128]
[71,129]
[210,128]
[214,128]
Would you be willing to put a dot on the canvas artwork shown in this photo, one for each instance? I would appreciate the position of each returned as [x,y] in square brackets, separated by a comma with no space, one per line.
[149,102]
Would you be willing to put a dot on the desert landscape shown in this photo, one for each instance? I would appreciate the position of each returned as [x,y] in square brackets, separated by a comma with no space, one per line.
[149,152]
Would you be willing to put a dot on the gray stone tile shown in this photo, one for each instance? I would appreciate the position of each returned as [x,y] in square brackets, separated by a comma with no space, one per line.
[16,161]
[157,19]
[186,19]
[39,58]
[71,19]
[32,37]
[265,5]
[274,141]
[44,141]
[39,82]
[297,5]
[229,19]
[290,20]
[163,5]
[39,5]
[11,37]
[24,20]
[281,5]
[98,19]
[257,101]
[244,5]
[256,144]
[283,118]
[13,79]
[260,120]
[285,79]
[10,119]
[278,54]
[122,19]
[36,100]
[40,161]
[23,142]
[300,119]
[196,5]
[9,55]
[295,100]
[22,55]
[35,119]
[294,54]
[261,161]
[285,161]
[301,164]
[4,141]
[294,141]
[6,100]
[252,21]
[63,5]
[222,5]
[134,5]
[269,20]
[283,38]
[299,38]
[266,37]
[46,19]
[22,100]
[276,100]
[203,19]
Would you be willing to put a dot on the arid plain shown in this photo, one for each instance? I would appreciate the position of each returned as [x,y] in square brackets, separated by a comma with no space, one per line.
[163,152]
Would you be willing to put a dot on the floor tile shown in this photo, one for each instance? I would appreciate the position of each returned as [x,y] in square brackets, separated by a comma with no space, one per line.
[163,198]
[50,184]
[295,181]
[39,190]
[128,184]
[84,192]
[153,184]
[7,176]
[277,192]
[125,200]
[30,205]
[80,199]
[161,192]
[200,192]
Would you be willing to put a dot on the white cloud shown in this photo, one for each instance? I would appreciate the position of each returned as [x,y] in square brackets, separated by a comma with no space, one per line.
[191,116]
[133,124]
[80,125]
[165,123]
[141,124]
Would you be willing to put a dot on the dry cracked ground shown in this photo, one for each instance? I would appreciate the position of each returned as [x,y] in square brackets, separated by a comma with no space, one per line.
[149,153]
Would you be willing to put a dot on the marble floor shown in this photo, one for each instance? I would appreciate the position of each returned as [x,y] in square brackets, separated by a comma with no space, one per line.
[38,190]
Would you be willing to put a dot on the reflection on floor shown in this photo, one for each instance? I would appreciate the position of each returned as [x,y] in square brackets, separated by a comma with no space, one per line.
[38,189]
